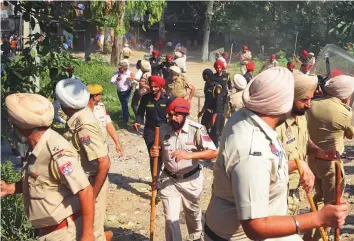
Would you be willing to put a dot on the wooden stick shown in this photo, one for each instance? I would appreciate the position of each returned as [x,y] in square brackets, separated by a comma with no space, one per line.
[198,109]
[230,53]
[154,187]
[310,199]
[338,193]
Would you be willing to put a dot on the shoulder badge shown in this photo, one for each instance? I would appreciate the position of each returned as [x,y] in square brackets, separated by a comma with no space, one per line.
[86,140]
[273,149]
[66,169]
[288,132]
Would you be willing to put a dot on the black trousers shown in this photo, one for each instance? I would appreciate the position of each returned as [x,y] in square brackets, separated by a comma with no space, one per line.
[135,101]
[214,131]
[149,137]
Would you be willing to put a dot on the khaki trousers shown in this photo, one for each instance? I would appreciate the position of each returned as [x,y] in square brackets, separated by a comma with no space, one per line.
[100,211]
[324,172]
[293,202]
[71,233]
[243,69]
[188,192]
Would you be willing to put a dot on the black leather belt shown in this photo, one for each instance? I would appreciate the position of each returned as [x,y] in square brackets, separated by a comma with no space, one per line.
[182,176]
[213,236]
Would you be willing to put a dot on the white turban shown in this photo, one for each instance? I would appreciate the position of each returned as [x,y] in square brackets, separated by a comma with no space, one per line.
[303,84]
[72,93]
[341,86]
[239,82]
[176,69]
[145,66]
[28,111]
[270,92]
[178,54]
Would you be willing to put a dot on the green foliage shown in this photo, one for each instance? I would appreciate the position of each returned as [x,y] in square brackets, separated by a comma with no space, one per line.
[14,222]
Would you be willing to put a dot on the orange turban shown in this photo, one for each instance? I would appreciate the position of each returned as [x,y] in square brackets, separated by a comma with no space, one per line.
[220,64]
[179,105]
[250,66]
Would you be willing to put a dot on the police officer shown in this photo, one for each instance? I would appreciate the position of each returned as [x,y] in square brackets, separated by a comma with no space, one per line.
[250,67]
[294,136]
[153,108]
[213,105]
[245,57]
[144,87]
[165,66]
[249,196]
[86,136]
[272,62]
[58,199]
[126,52]
[102,115]
[155,62]
[178,85]
[291,66]
[329,122]
[234,101]
[180,60]
[183,144]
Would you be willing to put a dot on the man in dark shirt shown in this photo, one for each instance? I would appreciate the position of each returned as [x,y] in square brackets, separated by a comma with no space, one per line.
[212,111]
[153,107]
[165,66]
[250,66]
[155,63]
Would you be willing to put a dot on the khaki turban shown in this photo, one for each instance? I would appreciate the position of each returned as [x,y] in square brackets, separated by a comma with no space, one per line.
[29,111]
[239,82]
[72,93]
[303,84]
[145,66]
[270,92]
[341,86]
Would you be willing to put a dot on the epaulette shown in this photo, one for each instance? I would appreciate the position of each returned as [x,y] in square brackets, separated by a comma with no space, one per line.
[195,124]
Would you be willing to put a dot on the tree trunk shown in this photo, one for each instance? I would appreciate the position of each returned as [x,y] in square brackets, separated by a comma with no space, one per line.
[208,15]
[87,42]
[117,44]
[107,43]
[162,29]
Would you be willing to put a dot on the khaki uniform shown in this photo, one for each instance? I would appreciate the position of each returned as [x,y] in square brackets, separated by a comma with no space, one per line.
[178,88]
[244,59]
[188,190]
[52,176]
[144,77]
[88,140]
[235,102]
[103,118]
[294,136]
[181,63]
[329,122]
[250,178]
[268,64]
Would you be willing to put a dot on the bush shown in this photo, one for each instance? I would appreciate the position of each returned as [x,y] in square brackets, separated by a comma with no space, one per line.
[14,222]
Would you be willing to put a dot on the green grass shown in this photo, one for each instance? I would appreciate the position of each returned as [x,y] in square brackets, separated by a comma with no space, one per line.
[99,72]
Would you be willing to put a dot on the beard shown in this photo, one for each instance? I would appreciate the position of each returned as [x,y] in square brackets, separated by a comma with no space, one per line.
[176,125]
[298,112]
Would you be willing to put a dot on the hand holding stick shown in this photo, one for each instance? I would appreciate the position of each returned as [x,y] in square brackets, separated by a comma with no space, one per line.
[310,199]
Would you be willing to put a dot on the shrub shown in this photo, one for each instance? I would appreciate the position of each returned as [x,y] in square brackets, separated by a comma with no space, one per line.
[14,222]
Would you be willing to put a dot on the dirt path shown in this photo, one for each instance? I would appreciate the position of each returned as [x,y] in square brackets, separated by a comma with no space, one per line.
[129,198]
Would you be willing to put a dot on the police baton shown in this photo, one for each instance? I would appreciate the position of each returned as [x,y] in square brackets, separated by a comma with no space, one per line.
[154,186]
[310,199]
[338,193]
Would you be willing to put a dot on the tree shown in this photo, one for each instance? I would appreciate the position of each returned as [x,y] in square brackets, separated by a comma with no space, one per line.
[208,16]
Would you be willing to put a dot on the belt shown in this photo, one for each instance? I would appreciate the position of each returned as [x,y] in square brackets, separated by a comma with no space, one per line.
[63,224]
[182,176]
[213,236]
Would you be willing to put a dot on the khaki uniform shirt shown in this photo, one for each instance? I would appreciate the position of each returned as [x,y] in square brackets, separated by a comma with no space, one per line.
[245,58]
[193,137]
[51,176]
[103,118]
[329,121]
[144,78]
[294,136]
[126,52]
[250,176]
[178,88]
[87,139]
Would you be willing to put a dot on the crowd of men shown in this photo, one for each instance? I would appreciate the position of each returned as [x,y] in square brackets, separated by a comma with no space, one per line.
[255,191]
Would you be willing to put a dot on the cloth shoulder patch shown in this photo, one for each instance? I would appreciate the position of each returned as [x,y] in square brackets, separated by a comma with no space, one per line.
[66,169]
[85,140]
[274,150]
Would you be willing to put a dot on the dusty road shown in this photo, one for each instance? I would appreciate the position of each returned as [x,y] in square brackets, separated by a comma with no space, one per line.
[129,198]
